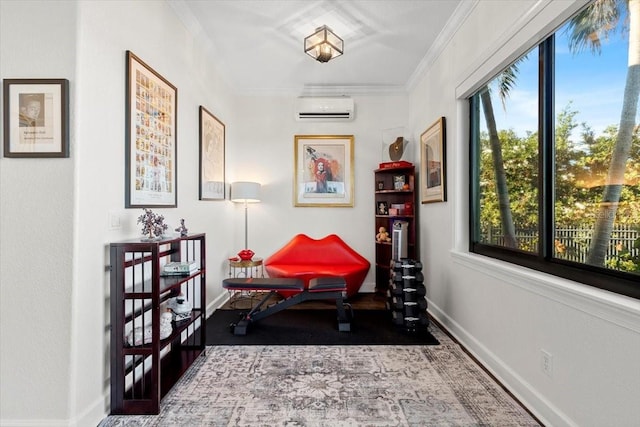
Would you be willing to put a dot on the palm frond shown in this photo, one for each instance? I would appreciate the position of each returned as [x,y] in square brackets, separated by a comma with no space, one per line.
[593,23]
[507,80]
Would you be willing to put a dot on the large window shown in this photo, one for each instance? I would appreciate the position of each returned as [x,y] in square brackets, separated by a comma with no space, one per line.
[555,147]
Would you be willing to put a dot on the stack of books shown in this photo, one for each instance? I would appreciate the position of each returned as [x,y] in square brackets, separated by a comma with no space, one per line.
[178,268]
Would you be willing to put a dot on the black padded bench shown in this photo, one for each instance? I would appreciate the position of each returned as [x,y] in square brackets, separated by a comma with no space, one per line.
[319,288]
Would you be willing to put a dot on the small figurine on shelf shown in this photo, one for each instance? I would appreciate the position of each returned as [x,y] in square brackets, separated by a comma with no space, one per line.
[183,230]
[153,225]
[181,308]
[165,324]
[383,235]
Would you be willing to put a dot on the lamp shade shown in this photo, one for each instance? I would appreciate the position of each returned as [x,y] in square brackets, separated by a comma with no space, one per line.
[243,191]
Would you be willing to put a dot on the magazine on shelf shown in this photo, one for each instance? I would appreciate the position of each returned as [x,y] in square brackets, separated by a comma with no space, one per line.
[179,268]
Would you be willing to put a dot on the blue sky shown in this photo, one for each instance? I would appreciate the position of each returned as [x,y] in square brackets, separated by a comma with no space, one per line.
[594,84]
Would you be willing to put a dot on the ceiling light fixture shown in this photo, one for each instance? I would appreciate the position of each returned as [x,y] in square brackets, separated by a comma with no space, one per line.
[323,45]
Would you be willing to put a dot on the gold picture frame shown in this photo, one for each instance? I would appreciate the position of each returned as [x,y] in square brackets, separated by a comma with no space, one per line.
[323,171]
[212,141]
[433,177]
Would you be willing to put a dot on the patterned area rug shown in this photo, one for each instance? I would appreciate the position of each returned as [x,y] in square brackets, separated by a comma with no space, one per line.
[335,386]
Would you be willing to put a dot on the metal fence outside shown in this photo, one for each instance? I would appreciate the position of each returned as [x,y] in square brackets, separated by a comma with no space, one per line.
[572,243]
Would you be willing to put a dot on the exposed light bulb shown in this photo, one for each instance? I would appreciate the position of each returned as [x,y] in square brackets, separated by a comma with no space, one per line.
[324,52]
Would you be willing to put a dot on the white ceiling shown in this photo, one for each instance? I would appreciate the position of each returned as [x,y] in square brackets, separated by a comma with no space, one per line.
[258,44]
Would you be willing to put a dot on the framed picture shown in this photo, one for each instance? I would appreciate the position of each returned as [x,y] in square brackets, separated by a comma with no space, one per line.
[211,157]
[151,126]
[382,208]
[398,182]
[323,171]
[36,117]
[433,163]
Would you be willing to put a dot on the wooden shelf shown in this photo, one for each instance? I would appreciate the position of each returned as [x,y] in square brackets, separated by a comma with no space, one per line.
[166,283]
[385,181]
[141,375]
[394,192]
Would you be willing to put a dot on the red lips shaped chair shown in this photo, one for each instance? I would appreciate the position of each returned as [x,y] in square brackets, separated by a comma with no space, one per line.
[306,258]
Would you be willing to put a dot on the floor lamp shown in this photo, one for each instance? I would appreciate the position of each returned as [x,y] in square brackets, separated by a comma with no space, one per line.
[245,192]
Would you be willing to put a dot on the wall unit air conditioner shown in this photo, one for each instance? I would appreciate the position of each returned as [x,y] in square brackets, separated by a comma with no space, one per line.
[335,109]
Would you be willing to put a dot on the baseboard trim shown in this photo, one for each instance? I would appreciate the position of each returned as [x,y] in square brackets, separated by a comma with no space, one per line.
[217,302]
[524,393]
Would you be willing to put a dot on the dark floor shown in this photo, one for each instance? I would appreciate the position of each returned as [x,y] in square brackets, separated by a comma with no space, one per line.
[362,301]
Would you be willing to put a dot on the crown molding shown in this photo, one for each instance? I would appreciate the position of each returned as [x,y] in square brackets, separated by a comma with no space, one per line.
[461,13]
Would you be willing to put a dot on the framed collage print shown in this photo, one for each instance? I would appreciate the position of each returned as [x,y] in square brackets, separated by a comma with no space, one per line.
[151,109]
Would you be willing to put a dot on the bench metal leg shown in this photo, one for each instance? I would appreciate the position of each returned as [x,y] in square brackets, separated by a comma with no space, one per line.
[344,324]
[240,328]
[256,313]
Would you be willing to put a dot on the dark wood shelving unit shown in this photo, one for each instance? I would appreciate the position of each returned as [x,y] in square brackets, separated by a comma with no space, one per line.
[389,192]
[141,375]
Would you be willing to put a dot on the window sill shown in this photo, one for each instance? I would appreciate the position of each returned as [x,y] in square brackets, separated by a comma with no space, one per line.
[617,309]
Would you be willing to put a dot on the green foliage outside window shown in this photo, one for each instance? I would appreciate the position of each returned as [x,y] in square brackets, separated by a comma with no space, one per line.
[595,173]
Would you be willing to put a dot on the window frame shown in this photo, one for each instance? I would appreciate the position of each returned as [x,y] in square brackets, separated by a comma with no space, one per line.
[610,280]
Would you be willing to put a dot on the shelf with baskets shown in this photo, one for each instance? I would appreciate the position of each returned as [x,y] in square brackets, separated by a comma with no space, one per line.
[395,208]
[154,341]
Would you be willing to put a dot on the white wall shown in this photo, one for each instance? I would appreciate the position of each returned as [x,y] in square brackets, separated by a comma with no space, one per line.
[265,153]
[56,214]
[106,31]
[506,314]
[36,229]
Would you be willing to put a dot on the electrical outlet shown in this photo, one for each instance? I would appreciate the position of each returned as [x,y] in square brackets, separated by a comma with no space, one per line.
[546,363]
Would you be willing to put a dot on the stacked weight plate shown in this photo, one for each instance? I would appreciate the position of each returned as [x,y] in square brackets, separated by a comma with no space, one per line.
[406,295]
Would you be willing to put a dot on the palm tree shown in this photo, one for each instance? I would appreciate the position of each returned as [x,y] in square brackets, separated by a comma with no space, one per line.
[598,20]
[506,80]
